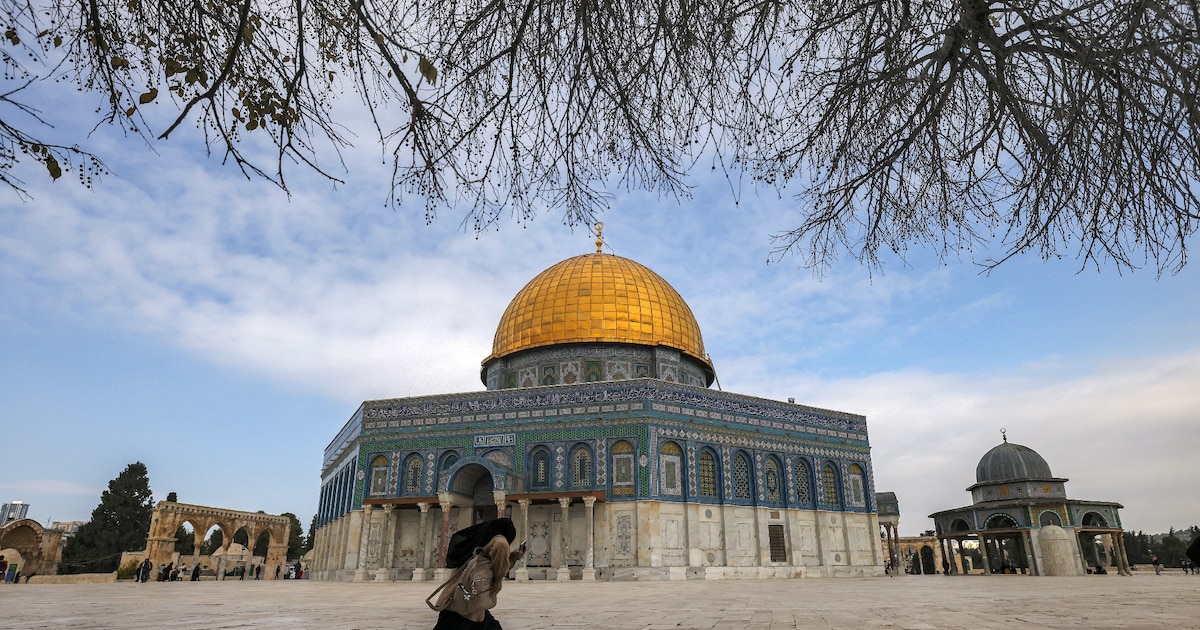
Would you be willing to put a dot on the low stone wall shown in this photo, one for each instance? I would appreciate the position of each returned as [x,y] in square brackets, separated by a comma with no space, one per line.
[81,578]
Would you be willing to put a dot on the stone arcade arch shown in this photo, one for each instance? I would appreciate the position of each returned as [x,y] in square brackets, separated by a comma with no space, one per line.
[31,547]
[168,516]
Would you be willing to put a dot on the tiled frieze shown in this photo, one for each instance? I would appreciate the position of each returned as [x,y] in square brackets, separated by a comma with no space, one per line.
[756,412]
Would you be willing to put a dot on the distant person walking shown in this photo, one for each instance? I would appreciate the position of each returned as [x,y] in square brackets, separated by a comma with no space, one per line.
[196,573]
[144,570]
[3,570]
[1157,564]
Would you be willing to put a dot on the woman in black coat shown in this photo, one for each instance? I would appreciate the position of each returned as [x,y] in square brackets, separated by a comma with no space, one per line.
[494,538]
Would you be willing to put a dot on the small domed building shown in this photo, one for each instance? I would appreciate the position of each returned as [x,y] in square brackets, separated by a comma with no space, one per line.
[599,435]
[1022,521]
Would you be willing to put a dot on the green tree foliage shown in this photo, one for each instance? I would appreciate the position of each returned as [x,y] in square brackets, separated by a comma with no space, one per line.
[262,544]
[213,543]
[295,537]
[310,538]
[185,541]
[120,523]
[1045,127]
[1170,549]
[172,497]
[1137,547]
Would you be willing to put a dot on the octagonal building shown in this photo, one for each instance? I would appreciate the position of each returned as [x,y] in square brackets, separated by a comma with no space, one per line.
[599,435]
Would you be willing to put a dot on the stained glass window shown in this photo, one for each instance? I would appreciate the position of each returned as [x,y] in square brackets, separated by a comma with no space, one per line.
[771,480]
[412,474]
[670,469]
[581,467]
[540,469]
[707,471]
[830,487]
[803,483]
[741,476]
[623,468]
[379,475]
[857,495]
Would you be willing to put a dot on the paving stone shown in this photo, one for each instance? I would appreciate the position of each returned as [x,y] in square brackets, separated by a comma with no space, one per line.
[910,602]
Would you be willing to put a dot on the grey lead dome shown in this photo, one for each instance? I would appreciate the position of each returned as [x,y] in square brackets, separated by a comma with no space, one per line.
[1011,462]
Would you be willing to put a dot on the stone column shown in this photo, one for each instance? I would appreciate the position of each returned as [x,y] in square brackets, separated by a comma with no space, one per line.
[522,573]
[1030,557]
[564,572]
[987,564]
[387,545]
[198,539]
[499,497]
[364,541]
[221,560]
[589,568]
[422,544]
[441,573]
[1122,555]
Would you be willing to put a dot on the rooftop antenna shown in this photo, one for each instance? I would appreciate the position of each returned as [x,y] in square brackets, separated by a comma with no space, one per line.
[1004,435]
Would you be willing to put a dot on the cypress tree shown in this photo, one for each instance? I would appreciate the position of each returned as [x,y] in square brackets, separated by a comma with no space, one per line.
[120,523]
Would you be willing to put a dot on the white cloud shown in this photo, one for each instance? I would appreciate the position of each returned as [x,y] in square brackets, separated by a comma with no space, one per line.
[50,486]
[1124,431]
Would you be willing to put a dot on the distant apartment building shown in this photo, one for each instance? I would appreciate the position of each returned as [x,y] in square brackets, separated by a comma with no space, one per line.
[68,528]
[14,511]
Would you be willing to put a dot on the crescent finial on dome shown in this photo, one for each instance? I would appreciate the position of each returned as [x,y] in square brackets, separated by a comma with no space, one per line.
[599,237]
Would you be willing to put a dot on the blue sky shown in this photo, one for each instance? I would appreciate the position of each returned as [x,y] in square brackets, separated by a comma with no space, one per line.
[222,332]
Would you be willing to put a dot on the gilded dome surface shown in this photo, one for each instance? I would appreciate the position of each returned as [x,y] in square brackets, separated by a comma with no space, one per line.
[598,298]
[1011,462]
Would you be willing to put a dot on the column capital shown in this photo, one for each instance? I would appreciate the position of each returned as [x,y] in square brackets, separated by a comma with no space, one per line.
[564,502]
[589,501]
[423,506]
[387,509]
[524,503]
[368,507]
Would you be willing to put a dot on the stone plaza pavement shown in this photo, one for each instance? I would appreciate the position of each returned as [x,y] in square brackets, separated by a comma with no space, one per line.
[1004,601]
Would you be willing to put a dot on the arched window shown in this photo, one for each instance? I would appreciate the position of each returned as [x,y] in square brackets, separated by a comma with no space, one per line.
[1049,518]
[858,496]
[804,494]
[773,480]
[1000,521]
[624,479]
[413,467]
[706,471]
[448,459]
[829,481]
[742,485]
[581,466]
[670,469]
[379,476]
[539,469]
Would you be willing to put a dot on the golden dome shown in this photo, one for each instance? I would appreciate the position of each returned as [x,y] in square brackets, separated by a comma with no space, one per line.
[598,298]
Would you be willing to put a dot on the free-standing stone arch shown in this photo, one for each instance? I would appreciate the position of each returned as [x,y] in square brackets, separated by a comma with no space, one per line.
[39,549]
[169,515]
